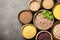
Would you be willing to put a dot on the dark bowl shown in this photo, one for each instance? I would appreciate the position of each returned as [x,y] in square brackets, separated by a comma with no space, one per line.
[42,32]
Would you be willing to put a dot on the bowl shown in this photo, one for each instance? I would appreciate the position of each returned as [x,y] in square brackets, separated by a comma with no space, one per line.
[55,11]
[43,34]
[28,31]
[38,21]
[25,16]
[34,5]
[55,30]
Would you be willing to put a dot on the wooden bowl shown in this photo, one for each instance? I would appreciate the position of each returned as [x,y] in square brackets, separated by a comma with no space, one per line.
[19,16]
[27,33]
[46,32]
[53,9]
[34,1]
[35,17]
[52,29]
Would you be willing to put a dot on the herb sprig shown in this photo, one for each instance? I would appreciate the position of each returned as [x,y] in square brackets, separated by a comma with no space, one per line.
[47,14]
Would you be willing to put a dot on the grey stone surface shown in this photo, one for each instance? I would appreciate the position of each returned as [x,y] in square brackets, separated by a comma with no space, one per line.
[58,0]
[9,24]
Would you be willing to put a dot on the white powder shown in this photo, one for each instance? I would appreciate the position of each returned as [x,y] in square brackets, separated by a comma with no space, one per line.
[56,31]
[34,6]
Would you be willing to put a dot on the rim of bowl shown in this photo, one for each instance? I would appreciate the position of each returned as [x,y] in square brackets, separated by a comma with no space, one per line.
[53,9]
[46,32]
[49,8]
[27,25]
[21,12]
[35,17]
[34,1]
[52,29]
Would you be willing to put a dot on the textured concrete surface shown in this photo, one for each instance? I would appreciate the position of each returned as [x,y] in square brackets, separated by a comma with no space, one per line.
[9,24]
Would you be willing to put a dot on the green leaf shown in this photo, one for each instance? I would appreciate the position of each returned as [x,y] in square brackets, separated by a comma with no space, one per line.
[51,17]
[45,16]
[50,13]
[44,11]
